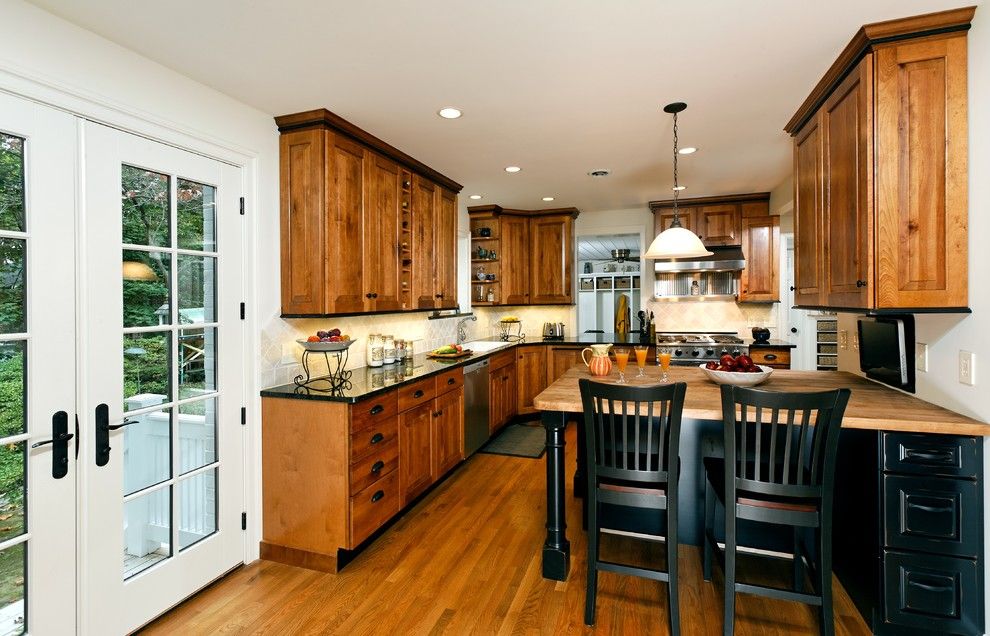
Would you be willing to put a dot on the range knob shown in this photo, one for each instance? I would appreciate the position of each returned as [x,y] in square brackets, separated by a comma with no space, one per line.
[678,352]
[709,352]
[735,352]
[696,352]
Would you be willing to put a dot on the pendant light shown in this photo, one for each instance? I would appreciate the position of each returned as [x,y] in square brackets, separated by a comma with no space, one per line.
[676,241]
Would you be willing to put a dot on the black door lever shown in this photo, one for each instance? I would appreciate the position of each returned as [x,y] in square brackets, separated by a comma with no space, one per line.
[60,444]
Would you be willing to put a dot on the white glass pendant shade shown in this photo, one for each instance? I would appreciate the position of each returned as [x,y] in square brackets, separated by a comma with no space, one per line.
[676,242]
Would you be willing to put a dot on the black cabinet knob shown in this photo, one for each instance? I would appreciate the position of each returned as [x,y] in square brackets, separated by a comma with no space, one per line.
[861,283]
[378,466]
[376,438]
[418,393]
[793,329]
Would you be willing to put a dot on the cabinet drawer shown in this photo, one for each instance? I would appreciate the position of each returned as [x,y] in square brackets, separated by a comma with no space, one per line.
[931,454]
[367,441]
[450,380]
[376,465]
[373,506]
[778,358]
[366,412]
[932,592]
[416,393]
[935,515]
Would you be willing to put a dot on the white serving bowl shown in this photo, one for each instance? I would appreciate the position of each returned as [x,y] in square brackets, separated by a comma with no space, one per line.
[736,378]
[326,346]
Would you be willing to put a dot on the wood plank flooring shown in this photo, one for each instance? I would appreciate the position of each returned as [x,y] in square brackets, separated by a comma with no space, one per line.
[466,560]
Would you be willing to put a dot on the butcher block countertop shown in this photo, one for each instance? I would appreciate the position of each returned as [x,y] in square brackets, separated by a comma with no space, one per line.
[871,405]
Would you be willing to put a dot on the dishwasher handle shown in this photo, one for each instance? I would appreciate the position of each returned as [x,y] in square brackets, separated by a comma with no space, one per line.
[476,366]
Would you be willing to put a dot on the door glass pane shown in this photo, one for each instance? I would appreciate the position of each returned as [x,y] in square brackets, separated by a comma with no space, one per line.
[196,205]
[13,383]
[197,507]
[145,206]
[13,284]
[12,491]
[147,450]
[146,288]
[197,289]
[146,369]
[147,530]
[13,570]
[197,434]
[197,362]
[11,183]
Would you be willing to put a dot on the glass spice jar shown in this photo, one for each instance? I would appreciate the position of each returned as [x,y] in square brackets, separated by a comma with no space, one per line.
[376,350]
[389,353]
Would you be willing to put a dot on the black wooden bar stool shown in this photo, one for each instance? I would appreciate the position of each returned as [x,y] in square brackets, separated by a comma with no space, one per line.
[632,436]
[782,449]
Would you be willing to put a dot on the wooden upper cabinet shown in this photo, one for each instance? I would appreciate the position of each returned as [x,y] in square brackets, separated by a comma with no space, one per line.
[718,224]
[381,256]
[303,221]
[759,281]
[663,217]
[515,259]
[344,215]
[551,240]
[880,151]
[424,219]
[846,125]
[446,248]
[808,210]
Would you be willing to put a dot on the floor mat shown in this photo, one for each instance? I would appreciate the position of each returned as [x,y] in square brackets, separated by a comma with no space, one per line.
[519,440]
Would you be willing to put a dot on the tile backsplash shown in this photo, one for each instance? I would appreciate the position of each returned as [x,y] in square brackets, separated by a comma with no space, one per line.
[714,316]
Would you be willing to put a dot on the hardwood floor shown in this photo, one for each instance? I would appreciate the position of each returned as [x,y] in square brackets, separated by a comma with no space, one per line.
[466,560]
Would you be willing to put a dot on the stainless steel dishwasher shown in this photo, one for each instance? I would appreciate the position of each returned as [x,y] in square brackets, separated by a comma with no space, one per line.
[475,406]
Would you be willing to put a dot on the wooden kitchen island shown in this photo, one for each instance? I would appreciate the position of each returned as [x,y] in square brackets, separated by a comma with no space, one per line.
[909,477]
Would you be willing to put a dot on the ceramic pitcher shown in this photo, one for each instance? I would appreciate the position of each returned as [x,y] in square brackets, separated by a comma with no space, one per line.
[600,364]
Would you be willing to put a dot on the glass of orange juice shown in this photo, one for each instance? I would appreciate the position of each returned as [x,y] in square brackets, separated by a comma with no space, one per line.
[663,355]
[621,360]
[641,352]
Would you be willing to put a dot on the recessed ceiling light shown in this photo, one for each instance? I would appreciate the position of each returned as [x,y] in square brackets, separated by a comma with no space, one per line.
[512,169]
[600,172]
[678,188]
[690,150]
[449,112]
[475,196]
[548,198]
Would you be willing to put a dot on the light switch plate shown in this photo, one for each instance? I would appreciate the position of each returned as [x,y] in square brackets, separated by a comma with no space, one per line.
[921,357]
[967,368]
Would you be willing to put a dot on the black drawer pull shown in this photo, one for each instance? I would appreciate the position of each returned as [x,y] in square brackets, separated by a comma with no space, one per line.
[418,393]
[451,381]
[376,409]
[377,437]
[377,496]
[924,508]
[930,588]
[378,466]
[770,356]
[929,455]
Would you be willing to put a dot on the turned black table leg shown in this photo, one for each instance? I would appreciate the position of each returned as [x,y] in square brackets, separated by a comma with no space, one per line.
[556,548]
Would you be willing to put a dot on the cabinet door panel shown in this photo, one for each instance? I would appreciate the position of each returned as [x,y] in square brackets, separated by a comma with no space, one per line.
[415,460]
[448,432]
[551,247]
[345,261]
[808,183]
[847,128]
[303,221]
[381,234]
[559,360]
[495,406]
[515,259]
[446,248]
[663,217]
[718,224]
[531,376]
[424,219]
[921,162]
[761,247]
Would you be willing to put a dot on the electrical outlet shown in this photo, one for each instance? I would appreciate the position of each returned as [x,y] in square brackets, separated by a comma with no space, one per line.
[843,339]
[967,368]
[855,342]
[921,357]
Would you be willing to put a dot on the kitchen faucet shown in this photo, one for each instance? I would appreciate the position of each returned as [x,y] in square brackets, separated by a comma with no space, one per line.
[461,334]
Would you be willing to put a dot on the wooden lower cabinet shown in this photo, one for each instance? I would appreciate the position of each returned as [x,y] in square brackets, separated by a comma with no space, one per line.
[775,357]
[560,359]
[501,390]
[531,376]
[448,432]
[415,470]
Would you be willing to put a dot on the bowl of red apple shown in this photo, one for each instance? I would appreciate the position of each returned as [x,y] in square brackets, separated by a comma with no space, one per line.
[326,340]
[739,371]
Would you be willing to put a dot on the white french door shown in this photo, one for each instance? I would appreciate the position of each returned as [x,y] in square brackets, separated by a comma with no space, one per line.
[161,377]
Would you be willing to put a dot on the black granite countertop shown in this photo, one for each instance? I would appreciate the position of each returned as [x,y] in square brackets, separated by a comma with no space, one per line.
[780,344]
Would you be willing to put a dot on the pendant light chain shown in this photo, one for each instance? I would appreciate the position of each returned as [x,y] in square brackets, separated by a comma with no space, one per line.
[677,221]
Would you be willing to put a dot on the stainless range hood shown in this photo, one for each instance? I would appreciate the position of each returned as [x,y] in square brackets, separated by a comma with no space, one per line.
[723,259]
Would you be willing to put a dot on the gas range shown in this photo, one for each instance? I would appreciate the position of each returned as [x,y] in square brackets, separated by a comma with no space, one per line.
[688,348]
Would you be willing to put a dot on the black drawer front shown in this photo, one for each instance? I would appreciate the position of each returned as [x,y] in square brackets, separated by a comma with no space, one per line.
[931,454]
[934,515]
[932,592]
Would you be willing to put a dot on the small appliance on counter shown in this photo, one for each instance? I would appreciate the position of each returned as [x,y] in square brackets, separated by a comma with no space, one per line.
[761,335]
[553,331]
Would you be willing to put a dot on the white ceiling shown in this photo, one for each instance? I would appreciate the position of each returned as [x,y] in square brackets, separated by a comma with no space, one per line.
[558,87]
[599,248]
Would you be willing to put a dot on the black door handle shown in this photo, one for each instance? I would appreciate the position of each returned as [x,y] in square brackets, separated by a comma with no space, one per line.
[60,444]
[102,416]
[792,287]
[114,427]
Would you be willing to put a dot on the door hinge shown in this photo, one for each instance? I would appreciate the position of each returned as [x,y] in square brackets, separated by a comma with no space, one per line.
[243,309]
[243,415]
[242,206]
[243,521]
